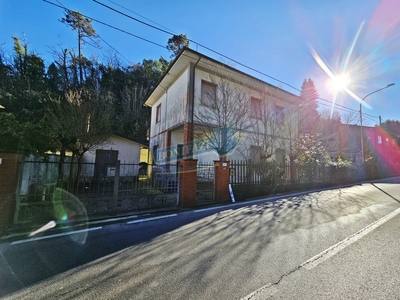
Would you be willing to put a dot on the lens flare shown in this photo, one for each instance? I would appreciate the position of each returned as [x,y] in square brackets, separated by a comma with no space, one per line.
[324,67]
[70,213]
[45,227]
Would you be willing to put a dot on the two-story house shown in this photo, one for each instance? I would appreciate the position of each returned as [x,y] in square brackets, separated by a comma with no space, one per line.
[227,113]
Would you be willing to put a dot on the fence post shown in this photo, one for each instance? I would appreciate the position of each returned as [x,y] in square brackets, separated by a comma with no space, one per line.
[221,189]
[9,174]
[116,185]
[274,171]
[187,185]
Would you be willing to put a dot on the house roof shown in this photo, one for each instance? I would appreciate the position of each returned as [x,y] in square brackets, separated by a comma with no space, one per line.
[127,140]
[187,56]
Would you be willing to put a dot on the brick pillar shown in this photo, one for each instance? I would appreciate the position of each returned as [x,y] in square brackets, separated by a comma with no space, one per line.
[187,132]
[221,190]
[9,171]
[187,182]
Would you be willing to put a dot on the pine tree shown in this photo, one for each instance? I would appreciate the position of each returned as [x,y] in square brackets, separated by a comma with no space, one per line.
[85,31]
[308,114]
[177,43]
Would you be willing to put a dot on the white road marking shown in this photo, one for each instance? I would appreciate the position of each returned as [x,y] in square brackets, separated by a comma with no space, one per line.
[113,219]
[331,251]
[208,208]
[55,235]
[151,219]
[270,289]
[267,290]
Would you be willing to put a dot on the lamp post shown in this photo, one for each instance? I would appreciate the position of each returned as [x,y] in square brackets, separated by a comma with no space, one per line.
[361,126]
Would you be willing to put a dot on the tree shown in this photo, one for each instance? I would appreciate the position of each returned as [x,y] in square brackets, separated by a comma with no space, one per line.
[309,153]
[308,114]
[85,31]
[392,127]
[134,120]
[22,91]
[225,116]
[349,117]
[328,131]
[177,43]
[11,133]
[80,122]
[269,125]
[129,88]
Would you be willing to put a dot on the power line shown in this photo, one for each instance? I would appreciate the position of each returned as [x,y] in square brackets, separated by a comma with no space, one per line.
[111,26]
[139,15]
[98,36]
[135,19]
[341,107]
[205,47]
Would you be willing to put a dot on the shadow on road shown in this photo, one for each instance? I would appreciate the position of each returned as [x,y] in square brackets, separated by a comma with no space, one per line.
[193,246]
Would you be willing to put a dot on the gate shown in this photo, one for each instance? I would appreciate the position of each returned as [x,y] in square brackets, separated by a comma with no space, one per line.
[205,183]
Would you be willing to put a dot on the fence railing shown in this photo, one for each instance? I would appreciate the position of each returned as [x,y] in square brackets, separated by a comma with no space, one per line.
[113,188]
[109,188]
[270,173]
[251,173]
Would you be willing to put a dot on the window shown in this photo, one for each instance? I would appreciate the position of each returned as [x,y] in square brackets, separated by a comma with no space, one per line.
[158,113]
[379,139]
[255,153]
[280,116]
[208,94]
[256,108]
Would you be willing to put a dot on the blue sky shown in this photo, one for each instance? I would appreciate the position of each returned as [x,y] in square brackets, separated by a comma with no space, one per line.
[282,39]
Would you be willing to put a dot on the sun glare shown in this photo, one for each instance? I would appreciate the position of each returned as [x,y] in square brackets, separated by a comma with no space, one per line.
[340,82]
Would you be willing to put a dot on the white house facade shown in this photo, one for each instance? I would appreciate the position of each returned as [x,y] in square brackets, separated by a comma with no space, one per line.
[204,109]
[127,151]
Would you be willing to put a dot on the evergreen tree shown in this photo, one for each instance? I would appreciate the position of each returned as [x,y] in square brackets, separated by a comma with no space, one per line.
[177,43]
[392,127]
[308,114]
[85,31]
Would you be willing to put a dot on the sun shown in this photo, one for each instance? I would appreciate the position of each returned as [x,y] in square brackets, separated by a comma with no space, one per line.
[340,82]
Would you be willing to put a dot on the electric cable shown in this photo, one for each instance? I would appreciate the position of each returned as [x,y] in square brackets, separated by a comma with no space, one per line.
[111,26]
[205,47]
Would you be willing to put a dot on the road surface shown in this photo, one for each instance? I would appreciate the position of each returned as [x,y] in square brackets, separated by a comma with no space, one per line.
[252,250]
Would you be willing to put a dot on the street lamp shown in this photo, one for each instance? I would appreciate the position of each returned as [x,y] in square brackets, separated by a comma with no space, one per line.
[361,126]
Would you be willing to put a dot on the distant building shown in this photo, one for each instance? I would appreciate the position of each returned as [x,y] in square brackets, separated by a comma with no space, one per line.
[345,142]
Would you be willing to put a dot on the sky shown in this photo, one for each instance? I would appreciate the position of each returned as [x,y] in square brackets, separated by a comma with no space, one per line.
[281,42]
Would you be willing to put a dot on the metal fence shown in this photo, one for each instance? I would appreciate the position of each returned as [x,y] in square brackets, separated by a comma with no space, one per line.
[271,173]
[45,185]
[205,183]
[251,173]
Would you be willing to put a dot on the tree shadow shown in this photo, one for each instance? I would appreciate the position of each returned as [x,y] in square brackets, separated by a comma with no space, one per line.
[176,256]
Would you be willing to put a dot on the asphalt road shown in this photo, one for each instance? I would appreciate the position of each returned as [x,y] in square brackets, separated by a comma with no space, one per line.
[250,250]
[368,268]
